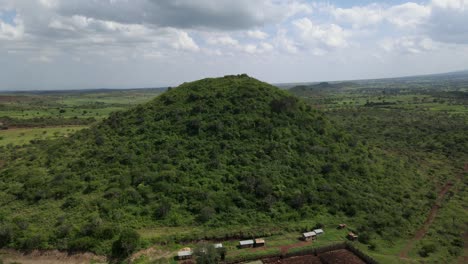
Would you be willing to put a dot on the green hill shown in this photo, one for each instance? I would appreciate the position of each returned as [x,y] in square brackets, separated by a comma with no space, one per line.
[217,152]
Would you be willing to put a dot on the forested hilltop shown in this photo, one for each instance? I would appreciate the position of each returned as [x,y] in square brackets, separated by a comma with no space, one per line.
[216,152]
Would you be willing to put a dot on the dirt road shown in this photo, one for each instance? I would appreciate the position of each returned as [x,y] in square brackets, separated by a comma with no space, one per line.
[430,218]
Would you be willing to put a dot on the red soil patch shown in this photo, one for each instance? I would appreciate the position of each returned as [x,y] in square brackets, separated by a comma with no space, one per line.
[336,256]
[50,257]
[340,256]
[430,218]
[285,249]
[307,259]
[188,261]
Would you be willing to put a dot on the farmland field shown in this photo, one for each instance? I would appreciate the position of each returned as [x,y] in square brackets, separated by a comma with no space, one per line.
[26,116]
[21,136]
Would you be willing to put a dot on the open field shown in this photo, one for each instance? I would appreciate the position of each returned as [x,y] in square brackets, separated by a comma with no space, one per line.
[71,104]
[21,136]
[48,115]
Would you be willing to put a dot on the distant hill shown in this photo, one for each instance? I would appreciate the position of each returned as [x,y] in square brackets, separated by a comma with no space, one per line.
[220,152]
[456,79]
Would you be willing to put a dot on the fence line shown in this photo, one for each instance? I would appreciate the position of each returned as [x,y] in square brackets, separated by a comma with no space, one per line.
[308,251]
[360,254]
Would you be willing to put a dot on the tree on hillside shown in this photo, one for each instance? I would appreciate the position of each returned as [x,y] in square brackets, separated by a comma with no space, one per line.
[127,243]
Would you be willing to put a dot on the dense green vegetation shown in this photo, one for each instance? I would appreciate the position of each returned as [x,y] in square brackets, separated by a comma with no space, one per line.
[220,152]
[424,122]
[447,94]
[190,164]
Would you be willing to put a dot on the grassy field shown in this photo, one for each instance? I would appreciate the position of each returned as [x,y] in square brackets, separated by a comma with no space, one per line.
[21,136]
[47,115]
[79,104]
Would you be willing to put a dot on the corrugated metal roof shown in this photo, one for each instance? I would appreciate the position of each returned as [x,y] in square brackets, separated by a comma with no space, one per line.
[219,245]
[309,234]
[184,253]
[246,242]
[259,241]
[318,231]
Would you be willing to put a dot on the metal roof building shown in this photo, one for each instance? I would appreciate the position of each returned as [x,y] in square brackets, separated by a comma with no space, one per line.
[219,245]
[318,231]
[246,242]
[309,234]
[184,254]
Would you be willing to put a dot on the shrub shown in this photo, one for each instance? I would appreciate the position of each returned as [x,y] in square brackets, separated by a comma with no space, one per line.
[426,250]
[364,238]
[6,234]
[127,243]
[82,243]
[34,241]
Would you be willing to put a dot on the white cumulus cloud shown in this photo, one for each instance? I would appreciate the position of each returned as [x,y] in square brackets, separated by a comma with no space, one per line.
[257,34]
[321,35]
[408,44]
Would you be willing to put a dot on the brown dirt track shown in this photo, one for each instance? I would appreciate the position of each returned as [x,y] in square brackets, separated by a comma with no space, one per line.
[430,218]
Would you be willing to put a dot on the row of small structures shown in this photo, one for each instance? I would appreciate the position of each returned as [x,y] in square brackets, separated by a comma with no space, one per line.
[312,235]
[259,242]
[186,253]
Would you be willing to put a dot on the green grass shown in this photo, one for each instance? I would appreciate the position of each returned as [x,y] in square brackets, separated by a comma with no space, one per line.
[21,136]
[75,105]
[447,229]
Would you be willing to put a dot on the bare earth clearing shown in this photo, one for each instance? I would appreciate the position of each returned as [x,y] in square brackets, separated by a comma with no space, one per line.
[335,256]
[50,257]
[294,260]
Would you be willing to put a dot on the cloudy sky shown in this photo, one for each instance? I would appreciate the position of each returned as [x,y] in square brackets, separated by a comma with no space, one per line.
[73,44]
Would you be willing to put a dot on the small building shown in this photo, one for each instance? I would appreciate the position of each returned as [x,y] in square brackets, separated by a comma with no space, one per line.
[318,231]
[341,226]
[260,242]
[351,236]
[219,245]
[309,236]
[246,243]
[185,253]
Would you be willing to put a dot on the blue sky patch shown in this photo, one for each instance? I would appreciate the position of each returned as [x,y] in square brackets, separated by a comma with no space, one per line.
[8,16]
